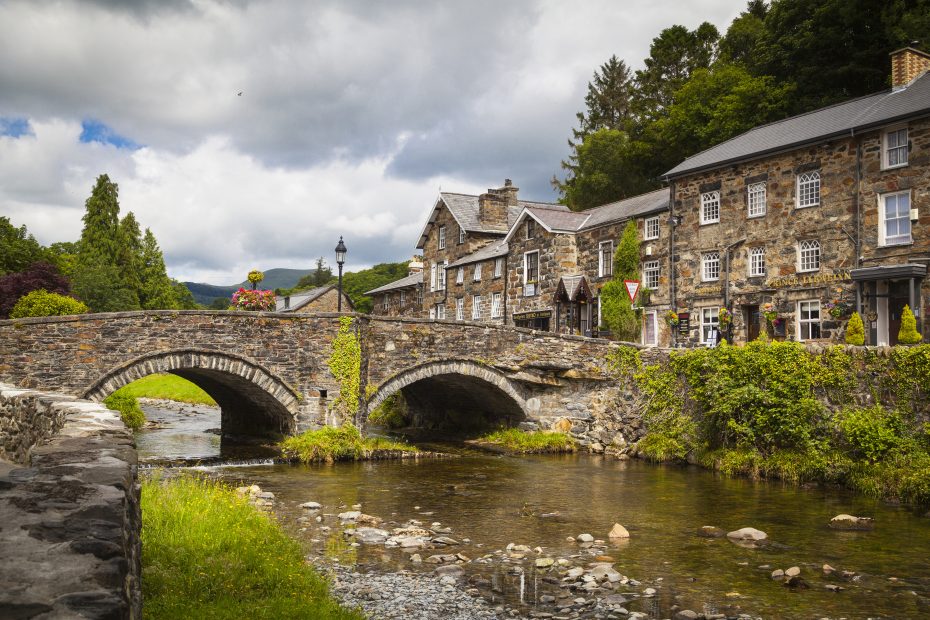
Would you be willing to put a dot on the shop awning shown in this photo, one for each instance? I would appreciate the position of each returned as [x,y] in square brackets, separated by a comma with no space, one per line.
[889,272]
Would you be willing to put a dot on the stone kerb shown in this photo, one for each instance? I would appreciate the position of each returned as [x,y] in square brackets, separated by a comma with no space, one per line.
[69,509]
[464,367]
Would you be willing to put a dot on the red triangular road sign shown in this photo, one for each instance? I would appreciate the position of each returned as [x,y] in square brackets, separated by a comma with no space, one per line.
[632,287]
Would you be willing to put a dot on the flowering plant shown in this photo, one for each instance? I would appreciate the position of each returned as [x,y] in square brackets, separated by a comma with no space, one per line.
[770,312]
[671,317]
[725,318]
[253,300]
[836,307]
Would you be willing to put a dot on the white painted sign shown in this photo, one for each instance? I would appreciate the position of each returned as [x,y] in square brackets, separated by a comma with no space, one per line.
[632,287]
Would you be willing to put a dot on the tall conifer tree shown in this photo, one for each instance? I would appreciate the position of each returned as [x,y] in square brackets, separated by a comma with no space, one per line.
[157,292]
[99,245]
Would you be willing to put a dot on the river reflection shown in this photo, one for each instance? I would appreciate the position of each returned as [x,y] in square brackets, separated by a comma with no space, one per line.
[493,501]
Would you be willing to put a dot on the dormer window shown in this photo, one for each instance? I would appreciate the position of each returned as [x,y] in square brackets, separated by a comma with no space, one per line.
[530,228]
[461,235]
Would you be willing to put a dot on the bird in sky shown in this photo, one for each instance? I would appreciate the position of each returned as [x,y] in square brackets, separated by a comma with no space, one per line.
[239,94]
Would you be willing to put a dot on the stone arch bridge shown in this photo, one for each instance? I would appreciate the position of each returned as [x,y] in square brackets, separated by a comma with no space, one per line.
[269,372]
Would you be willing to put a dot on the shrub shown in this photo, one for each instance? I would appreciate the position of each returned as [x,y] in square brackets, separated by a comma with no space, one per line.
[128,407]
[41,275]
[872,432]
[390,413]
[908,332]
[855,330]
[43,303]
[330,444]
[530,442]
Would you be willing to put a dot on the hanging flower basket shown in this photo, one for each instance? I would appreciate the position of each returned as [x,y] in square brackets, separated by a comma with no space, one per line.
[725,318]
[253,300]
[671,317]
[770,312]
[837,308]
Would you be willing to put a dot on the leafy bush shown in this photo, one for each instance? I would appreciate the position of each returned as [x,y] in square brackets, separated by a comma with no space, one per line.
[872,432]
[43,303]
[855,330]
[36,276]
[344,443]
[390,413]
[908,332]
[128,408]
[530,442]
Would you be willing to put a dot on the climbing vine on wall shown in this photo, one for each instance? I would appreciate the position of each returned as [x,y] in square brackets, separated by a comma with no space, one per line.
[345,363]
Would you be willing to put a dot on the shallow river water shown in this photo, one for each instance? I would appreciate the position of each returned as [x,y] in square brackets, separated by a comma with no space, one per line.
[496,500]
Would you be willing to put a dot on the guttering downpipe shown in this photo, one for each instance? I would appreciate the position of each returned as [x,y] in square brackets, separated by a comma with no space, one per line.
[726,280]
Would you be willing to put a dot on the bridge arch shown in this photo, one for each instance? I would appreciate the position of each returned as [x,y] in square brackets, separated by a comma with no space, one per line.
[253,400]
[469,394]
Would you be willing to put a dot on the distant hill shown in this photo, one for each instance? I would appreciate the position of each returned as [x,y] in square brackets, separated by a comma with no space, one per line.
[204,294]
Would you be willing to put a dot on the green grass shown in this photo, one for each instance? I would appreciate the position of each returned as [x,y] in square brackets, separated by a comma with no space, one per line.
[128,408]
[167,387]
[529,442]
[345,443]
[206,553]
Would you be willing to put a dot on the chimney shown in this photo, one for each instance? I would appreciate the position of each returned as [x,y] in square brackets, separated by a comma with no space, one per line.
[415,266]
[492,205]
[907,63]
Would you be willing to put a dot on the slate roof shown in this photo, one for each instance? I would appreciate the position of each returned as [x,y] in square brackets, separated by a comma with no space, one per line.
[299,300]
[492,250]
[464,208]
[409,281]
[833,121]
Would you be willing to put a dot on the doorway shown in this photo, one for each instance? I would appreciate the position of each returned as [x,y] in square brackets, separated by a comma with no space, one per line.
[753,319]
[898,297]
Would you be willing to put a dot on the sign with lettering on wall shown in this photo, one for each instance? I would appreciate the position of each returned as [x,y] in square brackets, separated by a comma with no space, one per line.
[684,323]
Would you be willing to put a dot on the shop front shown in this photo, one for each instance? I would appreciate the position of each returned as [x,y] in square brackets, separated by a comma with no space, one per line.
[573,306]
[539,320]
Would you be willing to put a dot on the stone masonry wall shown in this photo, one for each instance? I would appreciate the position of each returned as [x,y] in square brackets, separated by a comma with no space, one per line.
[485,287]
[69,509]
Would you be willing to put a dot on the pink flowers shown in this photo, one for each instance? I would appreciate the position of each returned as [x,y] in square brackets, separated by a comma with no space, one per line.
[253,300]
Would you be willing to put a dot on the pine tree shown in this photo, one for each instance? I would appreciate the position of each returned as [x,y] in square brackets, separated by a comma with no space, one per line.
[99,245]
[617,310]
[855,330]
[129,254]
[156,292]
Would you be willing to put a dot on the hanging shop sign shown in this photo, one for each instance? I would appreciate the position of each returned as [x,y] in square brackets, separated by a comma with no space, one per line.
[536,314]
[684,323]
[808,280]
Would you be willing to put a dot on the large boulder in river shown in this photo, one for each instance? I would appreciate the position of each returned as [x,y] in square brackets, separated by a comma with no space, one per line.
[849,522]
[618,532]
[747,535]
[370,535]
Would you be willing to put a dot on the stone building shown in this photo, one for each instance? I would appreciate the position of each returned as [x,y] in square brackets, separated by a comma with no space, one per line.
[319,299]
[402,297]
[793,225]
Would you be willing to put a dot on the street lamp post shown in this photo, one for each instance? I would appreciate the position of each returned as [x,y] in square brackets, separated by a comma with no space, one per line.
[340,260]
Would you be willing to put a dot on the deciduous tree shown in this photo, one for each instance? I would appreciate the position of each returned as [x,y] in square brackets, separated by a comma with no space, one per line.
[40,275]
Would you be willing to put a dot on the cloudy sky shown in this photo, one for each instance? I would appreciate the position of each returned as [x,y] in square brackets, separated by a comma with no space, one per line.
[352,114]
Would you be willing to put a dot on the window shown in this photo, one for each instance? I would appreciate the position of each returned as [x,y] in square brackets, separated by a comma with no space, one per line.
[651,275]
[497,308]
[755,197]
[809,256]
[477,276]
[498,267]
[441,276]
[419,295]
[895,152]
[432,277]
[808,189]
[442,237]
[710,266]
[710,318]
[459,308]
[530,228]
[530,273]
[403,297]
[808,320]
[605,261]
[710,207]
[432,312]
[461,235]
[650,329]
[756,262]
[651,229]
[895,211]
[476,307]
[440,312]
[460,275]
[384,302]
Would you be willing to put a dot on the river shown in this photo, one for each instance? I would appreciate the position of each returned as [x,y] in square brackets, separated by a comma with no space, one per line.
[488,501]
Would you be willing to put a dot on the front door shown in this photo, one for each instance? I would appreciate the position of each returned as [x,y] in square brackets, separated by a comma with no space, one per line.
[753,318]
[898,297]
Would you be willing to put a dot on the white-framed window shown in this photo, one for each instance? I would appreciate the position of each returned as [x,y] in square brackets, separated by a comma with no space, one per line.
[432,312]
[433,277]
[498,266]
[530,228]
[894,148]
[475,307]
[650,329]
[756,262]
[497,307]
[755,198]
[461,235]
[809,255]
[710,318]
[441,276]
[460,275]
[605,260]
[442,237]
[651,275]
[710,207]
[530,273]
[808,190]
[477,275]
[895,213]
[651,228]
[809,319]
[459,308]
[441,311]
[710,266]
[403,297]
[385,303]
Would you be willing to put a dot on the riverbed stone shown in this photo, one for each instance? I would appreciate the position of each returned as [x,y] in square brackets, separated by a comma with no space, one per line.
[618,532]
[794,571]
[585,538]
[544,562]
[311,506]
[370,535]
[350,515]
[747,534]
[710,531]
[851,523]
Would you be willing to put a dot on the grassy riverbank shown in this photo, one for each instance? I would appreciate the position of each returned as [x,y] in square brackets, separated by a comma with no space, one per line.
[344,443]
[166,387]
[206,553]
[529,442]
